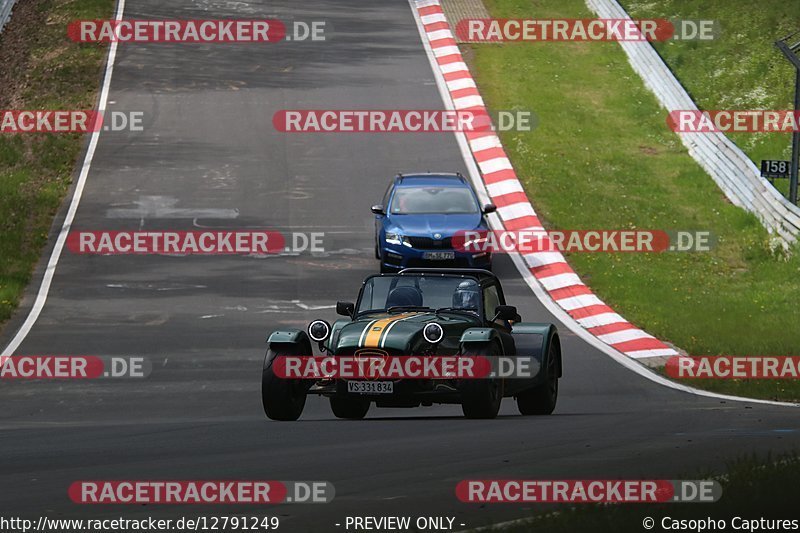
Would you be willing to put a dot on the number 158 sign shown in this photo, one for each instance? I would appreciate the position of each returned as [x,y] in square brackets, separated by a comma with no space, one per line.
[771,168]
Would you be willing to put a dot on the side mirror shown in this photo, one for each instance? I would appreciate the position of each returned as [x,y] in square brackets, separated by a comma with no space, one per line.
[378,209]
[345,309]
[507,312]
[489,208]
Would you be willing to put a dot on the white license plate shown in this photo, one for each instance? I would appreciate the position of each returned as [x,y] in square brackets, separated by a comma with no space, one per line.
[370,387]
[439,256]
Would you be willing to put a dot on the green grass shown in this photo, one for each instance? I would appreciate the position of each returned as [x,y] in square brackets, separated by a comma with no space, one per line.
[741,69]
[751,489]
[49,72]
[603,157]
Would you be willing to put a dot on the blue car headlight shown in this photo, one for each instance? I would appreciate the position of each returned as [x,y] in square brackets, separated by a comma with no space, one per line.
[396,238]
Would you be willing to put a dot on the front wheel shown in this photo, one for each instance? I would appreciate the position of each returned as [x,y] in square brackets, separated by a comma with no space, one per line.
[350,408]
[541,400]
[283,399]
[481,398]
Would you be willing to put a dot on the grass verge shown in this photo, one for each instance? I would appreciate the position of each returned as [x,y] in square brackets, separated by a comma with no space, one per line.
[41,69]
[603,157]
[751,489]
[741,69]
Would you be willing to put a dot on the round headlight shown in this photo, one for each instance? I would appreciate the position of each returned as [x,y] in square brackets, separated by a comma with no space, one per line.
[433,333]
[319,330]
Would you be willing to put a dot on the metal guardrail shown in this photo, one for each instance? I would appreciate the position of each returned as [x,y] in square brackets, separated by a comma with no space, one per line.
[5,12]
[728,166]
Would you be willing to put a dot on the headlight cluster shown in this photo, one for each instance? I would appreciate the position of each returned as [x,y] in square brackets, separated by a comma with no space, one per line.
[319,330]
[396,238]
[433,333]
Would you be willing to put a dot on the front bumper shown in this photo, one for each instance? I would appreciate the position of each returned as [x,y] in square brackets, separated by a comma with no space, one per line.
[400,257]
[407,392]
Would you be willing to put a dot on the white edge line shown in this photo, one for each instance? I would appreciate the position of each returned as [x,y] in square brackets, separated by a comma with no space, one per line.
[533,283]
[47,279]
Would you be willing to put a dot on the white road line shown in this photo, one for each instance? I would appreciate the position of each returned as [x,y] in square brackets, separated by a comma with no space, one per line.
[47,279]
[532,282]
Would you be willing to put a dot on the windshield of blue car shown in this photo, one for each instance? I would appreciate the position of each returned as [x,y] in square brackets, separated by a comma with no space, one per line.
[433,200]
[420,293]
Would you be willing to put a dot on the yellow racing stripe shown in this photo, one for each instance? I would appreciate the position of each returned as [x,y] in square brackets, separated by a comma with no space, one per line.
[373,338]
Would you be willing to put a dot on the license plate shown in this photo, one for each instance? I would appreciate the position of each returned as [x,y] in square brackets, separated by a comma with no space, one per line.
[439,256]
[370,387]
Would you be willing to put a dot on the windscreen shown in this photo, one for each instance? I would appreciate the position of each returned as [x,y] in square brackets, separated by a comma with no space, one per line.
[384,293]
[430,200]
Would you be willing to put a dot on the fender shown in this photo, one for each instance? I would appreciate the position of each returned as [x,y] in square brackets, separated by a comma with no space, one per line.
[478,335]
[535,339]
[288,342]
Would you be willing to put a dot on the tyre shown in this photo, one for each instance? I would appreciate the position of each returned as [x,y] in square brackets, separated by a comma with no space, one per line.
[350,408]
[377,251]
[283,399]
[541,400]
[481,398]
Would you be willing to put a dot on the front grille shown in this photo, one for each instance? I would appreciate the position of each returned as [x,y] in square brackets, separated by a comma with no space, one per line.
[428,243]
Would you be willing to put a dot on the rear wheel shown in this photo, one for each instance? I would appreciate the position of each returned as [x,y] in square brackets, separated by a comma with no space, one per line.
[481,398]
[541,400]
[283,399]
[350,408]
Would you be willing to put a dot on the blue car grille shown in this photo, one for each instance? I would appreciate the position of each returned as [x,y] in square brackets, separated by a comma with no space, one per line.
[427,243]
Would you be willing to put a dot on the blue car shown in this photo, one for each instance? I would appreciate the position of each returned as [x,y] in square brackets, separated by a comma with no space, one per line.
[420,214]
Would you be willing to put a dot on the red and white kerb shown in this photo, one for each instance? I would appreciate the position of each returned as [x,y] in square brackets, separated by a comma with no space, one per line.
[515,211]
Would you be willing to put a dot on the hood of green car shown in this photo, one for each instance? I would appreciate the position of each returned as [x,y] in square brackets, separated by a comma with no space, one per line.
[399,333]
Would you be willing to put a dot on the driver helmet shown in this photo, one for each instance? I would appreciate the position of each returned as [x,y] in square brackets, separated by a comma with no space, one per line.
[466,295]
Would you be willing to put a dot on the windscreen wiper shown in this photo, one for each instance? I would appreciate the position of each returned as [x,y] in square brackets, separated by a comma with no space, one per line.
[394,308]
[470,310]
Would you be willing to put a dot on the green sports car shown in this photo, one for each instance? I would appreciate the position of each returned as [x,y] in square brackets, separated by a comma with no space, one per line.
[440,315]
